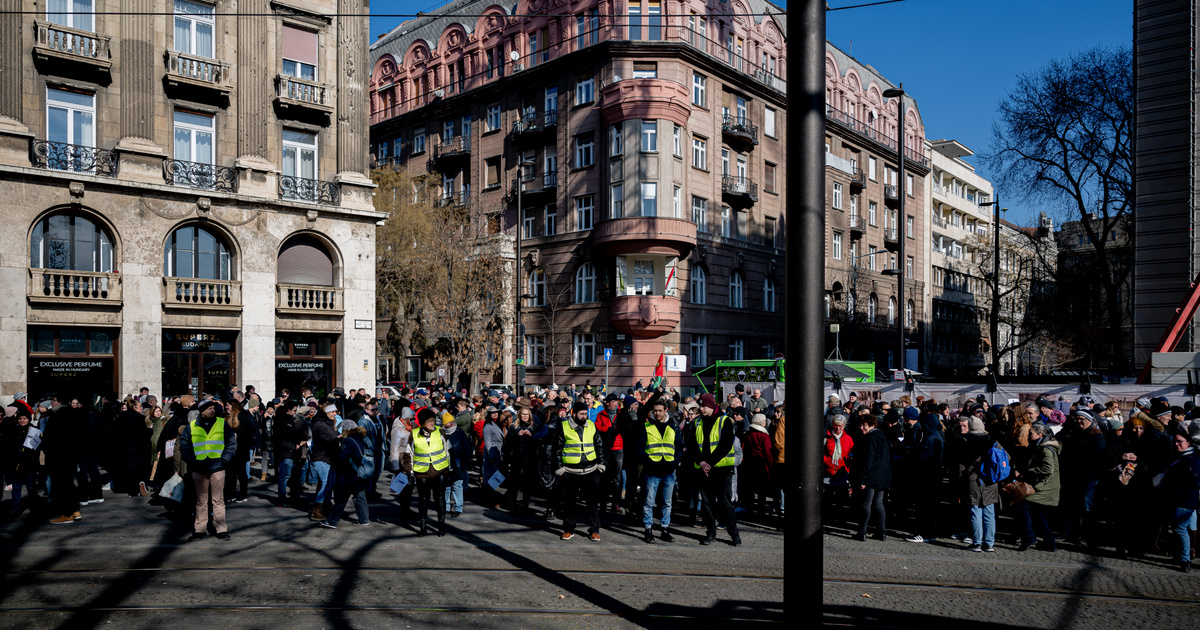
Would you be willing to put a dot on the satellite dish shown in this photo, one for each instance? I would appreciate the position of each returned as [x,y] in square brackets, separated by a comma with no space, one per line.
[438,93]
[514,55]
[616,78]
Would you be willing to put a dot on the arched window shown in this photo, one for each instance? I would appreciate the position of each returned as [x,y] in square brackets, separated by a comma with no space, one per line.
[699,286]
[537,287]
[735,290]
[909,312]
[891,311]
[872,304]
[194,252]
[585,284]
[70,242]
[304,259]
[769,295]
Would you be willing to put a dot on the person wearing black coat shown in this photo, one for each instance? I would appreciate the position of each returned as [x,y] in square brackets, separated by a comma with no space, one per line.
[1138,454]
[290,438]
[520,458]
[237,482]
[347,483]
[546,463]
[131,460]
[871,476]
[18,462]
[1083,461]
[458,445]
[64,426]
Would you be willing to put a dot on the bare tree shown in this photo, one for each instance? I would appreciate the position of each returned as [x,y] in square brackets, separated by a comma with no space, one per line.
[1064,138]
[397,256]
[552,327]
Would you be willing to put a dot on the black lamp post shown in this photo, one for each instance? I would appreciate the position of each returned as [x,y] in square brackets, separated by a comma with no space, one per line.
[994,325]
[901,223]
[520,327]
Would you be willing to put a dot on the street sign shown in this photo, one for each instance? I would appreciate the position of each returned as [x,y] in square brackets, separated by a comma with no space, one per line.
[607,354]
[676,363]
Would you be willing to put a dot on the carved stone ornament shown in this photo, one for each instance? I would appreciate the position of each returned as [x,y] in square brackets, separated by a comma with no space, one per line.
[76,189]
[454,39]
[740,257]
[204,204]
[701,252]
[648,312]
[311,216]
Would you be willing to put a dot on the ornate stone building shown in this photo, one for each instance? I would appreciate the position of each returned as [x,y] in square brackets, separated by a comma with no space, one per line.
[187,187]
[647,151]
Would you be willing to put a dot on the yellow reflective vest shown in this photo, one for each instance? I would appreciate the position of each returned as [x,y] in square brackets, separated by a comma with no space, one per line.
[429,451]
[708,445]
[576,449]
[660,446]
[208,444]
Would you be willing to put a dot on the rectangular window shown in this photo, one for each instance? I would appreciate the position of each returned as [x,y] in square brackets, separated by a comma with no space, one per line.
[837,246]
[872,211]
[837,196]
[677,139]
[585,91]
[299,155]
[737,349]
[616,195]
[743,225]
[724,161]
[871,168]
[493,117]
[71,13]
[492,165]
[70,119]
[551,221]
[645,70]
[585,349]
[381,153]
[908,267]
[725,227]
[649,135]
[871,258]
[700,213]
[908,226]
[527,223]
[535,350]
[584,207]
[643,277]
[649,199]
[909,185]
[194,25]
[699,89]
[677,203]
[447,131]
[418,142]
[616,140]
[194,137]
[635,19]
[654,20]
[769,122]
[551,103]
[769,177]
[584,151]
[770,237]
[700,153]
[491,64]
[299,53]
[699,351]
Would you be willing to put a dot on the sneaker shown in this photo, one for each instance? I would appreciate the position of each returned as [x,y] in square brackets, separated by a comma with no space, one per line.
[455,514]
[708,540]
[77,516]
[84,502]
[595,536]
[327,525]
[720,527]
[1185,567]
[648,537]
[567,535]
[96,501]
[967,540]
[737,541]
[975,548]
[197,536]
[989,549]
[63,519]
[666,537]
[222,535]
[916,538]
[860,537]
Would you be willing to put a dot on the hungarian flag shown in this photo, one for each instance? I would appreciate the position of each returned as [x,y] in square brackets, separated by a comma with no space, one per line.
[660,372]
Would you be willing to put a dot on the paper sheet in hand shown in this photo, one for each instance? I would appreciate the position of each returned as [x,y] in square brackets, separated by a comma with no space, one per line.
[496,480]
[169,449]
[33,438]
[399,482]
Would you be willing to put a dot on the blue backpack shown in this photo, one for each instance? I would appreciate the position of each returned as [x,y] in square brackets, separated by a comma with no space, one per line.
[996,465]
[364,466]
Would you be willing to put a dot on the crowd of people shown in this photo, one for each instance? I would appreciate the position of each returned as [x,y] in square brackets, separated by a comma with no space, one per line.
[647,454]
[1091,474]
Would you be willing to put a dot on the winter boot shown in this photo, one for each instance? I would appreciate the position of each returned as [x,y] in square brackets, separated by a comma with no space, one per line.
[441,526]
[422,530]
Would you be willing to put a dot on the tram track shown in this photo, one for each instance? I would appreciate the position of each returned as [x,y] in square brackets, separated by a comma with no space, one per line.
[1003,590]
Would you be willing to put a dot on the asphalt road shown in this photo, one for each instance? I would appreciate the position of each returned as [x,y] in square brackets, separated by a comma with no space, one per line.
[126,564]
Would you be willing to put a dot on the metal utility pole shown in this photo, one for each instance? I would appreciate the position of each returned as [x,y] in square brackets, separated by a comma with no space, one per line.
[519,329]
[804,337]
[994,327]
[901,227]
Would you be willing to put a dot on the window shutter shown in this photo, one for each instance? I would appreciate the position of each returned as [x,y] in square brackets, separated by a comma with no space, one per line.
[304,261]
[300,45]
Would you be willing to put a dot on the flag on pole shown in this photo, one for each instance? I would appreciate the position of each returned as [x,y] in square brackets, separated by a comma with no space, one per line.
[660,372]
[667,288]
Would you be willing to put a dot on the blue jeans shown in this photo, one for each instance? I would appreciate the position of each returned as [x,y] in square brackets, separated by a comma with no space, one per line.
[983,525]
[454,496]
[1182,521]
[324,475]
[668,490]
[347,488]
[249,460]
[283,474]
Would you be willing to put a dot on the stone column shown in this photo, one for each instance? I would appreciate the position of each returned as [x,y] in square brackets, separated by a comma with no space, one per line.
[14,136]
[352,130]
[256,66]
[141,159]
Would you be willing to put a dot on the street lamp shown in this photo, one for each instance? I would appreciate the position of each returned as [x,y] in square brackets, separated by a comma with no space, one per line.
[901,222]
[520,327]
[994,327]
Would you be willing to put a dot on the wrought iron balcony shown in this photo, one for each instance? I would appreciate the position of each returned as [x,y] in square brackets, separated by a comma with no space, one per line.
[61,156]
[858,180]
[891,196]
[185,68]
[453,200]
[304,94]
[197,175]
[857,225]
[52,41]
[449,152]
[529,127]
[891,239]
[309,190]
[739,186]
[551,118]
[740,128]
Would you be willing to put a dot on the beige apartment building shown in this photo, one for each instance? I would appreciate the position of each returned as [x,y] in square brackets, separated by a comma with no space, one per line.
[187,187]
[648,153]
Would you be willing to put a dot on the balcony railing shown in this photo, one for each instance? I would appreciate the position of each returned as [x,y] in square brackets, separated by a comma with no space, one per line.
[61,156]
[453,200]
[551,117]
[740,126]
[304,93]
[721,53]
[74,287]
[197,175]
[891,235]
[865,130]
[309,190]
[739,185]
[857,224]
[891,193]
[70,42]
[198,293]
[299,298]
[534,183]
[198,70]
[527,123]
[858,180]
[387,162]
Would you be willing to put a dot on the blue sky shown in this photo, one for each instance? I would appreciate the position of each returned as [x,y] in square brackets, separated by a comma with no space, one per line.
[958,58]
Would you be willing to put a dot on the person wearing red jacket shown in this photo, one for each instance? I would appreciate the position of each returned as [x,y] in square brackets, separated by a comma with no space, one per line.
[606,424]
[838,445]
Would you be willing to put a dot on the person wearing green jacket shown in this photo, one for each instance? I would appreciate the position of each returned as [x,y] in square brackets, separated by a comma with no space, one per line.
[1043,474]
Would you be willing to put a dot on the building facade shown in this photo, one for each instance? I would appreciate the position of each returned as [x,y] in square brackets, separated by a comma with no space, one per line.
[638,160]
[863,218]
[188,188]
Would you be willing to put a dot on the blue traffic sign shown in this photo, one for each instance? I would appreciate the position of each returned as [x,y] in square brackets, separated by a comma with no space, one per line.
[607,355]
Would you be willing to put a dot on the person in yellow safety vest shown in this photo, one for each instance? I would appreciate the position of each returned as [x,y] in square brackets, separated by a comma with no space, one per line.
[208,445]
[431,461]
[664,445]
[579,452]
[710,449]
